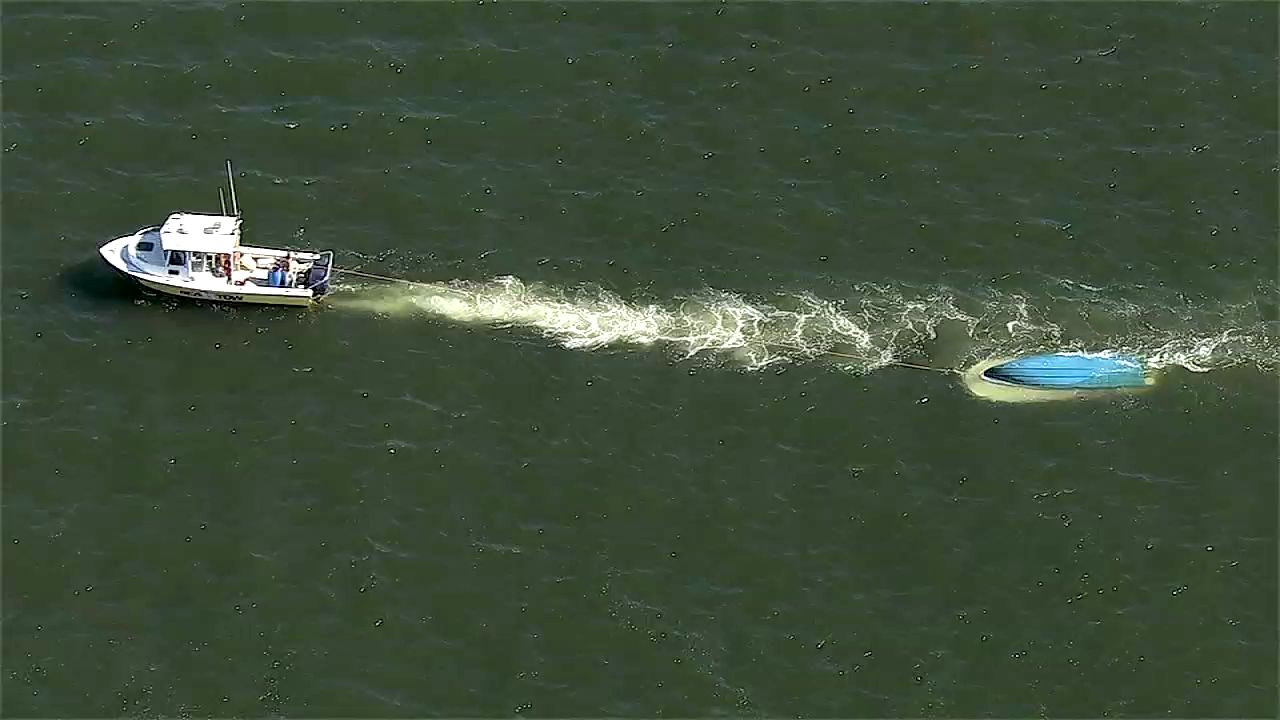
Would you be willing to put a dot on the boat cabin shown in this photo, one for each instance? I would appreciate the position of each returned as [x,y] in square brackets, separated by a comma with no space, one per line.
[195,243]
[195,246]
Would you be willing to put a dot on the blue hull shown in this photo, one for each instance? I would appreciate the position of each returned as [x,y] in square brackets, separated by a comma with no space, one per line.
[1067,371]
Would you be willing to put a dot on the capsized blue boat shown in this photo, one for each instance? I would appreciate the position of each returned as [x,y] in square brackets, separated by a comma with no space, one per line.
[1071,371]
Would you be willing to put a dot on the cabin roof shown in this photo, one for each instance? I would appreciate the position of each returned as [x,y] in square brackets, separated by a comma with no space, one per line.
[195,232]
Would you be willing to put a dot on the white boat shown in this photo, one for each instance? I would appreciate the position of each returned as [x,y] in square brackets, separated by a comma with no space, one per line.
[199,256]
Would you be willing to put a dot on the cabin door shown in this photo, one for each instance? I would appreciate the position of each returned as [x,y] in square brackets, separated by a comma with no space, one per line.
[177,265]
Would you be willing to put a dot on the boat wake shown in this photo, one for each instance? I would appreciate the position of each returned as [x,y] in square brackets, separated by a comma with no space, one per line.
[873,327]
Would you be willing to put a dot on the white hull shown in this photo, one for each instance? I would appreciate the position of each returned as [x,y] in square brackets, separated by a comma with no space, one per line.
[205,286]
[246,298]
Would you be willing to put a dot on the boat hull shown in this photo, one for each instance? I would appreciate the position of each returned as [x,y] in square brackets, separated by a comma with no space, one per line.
[979,384]
[1070,371]
[227,297]
[254,295]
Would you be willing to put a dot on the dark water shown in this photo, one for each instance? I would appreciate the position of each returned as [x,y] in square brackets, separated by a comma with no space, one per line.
[603,462]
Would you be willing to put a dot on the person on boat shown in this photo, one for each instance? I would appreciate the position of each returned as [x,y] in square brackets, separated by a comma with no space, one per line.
[236,260]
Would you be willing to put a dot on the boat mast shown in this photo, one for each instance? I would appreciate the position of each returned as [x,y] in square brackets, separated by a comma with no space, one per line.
[221,202]
[235,209]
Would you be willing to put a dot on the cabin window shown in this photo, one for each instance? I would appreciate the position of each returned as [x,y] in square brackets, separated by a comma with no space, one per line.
[197,262]
[176,258]
[145,246]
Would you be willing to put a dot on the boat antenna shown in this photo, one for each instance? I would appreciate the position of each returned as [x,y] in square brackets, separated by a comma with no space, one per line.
[235,209]
[221,202]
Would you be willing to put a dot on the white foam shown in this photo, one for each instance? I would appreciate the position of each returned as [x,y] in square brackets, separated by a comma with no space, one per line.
[875,324]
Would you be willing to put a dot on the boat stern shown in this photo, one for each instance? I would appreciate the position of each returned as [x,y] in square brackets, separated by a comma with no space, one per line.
[318,276]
